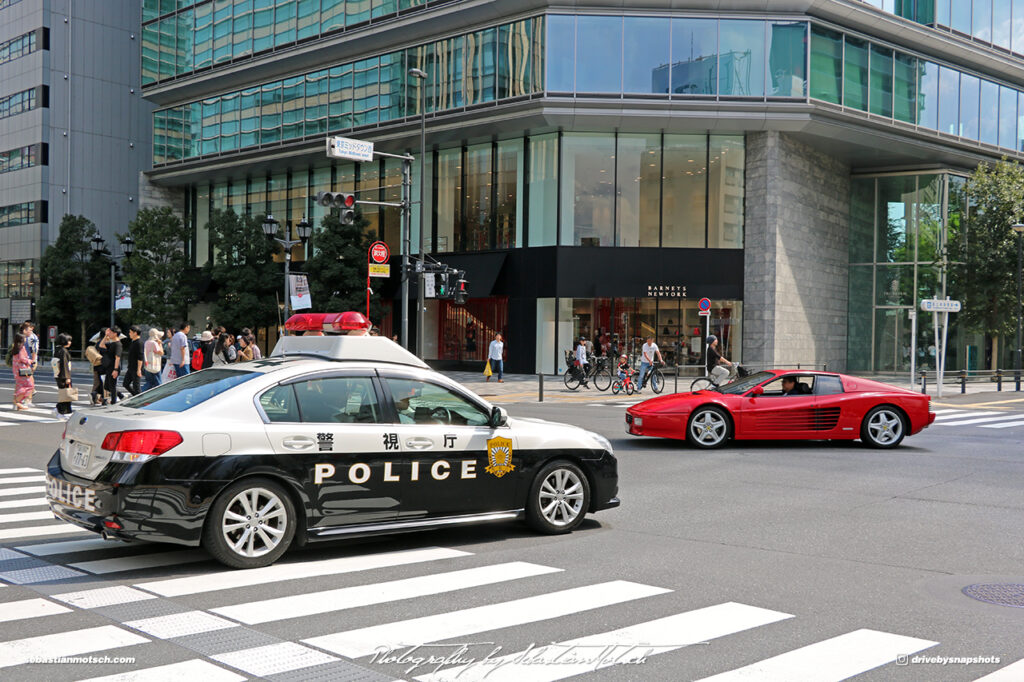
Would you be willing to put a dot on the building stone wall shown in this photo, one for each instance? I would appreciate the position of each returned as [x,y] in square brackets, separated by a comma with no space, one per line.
[151,196]
[796,254]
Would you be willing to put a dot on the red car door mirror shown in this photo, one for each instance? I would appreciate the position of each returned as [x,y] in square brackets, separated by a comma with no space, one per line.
[756,391]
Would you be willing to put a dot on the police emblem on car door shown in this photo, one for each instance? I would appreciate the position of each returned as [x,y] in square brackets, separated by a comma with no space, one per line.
[329,429]
[448,444]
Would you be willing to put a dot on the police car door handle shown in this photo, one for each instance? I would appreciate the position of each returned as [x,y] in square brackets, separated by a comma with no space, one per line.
[419,443]
[298,442]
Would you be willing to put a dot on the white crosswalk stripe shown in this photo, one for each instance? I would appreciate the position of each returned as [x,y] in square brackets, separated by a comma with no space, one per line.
[833,659]
[959,415]
[73,643]
[194,669]
[979,420]
[1011,673]
[1003,425]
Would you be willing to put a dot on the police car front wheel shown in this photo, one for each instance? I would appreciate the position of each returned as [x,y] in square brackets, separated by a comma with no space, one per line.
[559,498]
[251,524]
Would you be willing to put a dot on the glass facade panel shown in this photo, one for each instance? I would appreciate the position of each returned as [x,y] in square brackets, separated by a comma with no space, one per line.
[928,215]
[928,94]
[726,165]
[293,107]
[449,198]
[332,15]
[684,195]
[509,180]
[905,88]
[896,206]
[476,228]
[827,65]
[1007,117]
[520,58]
[284,22]
[1017,35]
[960,16]
[855,80]
[949,100]
[450,72]
[990,104]
[561,53]
[588,188]
[262,25]
[598,54]
[894,285]
[862,220]
[229,122]
[787,59]
[368,182]
[645,54]
[741,49]
[981,24]
[543,188]
[222,28]
[481,74]
[638,174]
[308,18]
[881,81]
[970,98]
[1002,26]
[203,51]
[241,38]
[693,69]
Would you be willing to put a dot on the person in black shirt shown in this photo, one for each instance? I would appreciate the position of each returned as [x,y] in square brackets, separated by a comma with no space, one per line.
[716,371]
[133,363]
[111,365]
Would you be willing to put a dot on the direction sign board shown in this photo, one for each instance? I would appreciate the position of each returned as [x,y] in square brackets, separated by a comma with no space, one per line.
[51,333]
[704,305]
[379,252]
[428,286]
[940,305]
[704,312]
[347,148]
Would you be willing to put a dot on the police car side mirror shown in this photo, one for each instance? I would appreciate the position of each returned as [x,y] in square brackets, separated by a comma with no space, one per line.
[756,391]
[499,417]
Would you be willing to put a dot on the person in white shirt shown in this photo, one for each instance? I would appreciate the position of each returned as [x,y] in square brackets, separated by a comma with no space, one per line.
[582,360]
[648,354]
[180,356]
[495,355]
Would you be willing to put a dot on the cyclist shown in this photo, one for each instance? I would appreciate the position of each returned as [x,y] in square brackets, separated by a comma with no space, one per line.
[716,371]
[623,368]
[581,360]
[649,353]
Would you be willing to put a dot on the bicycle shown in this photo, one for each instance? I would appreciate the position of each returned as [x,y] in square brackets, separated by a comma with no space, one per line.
[707,383]
[597,372]
[656,377]
[624,385]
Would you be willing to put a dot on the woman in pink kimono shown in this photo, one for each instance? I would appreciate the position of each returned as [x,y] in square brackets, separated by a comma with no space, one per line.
[24,382]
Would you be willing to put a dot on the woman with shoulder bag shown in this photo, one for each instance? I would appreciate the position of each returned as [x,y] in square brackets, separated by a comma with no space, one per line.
[244,349]
[94,354]
[152,363]
[24,382]
[66,394]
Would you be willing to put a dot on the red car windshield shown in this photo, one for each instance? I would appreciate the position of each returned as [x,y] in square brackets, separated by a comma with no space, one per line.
[745,384]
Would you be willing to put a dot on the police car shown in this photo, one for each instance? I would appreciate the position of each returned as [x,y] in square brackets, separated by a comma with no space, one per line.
[329,437]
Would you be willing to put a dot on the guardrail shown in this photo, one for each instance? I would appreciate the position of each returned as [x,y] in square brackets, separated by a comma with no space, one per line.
[965,376]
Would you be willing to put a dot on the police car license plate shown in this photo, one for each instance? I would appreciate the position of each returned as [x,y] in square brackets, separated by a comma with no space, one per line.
[81,453]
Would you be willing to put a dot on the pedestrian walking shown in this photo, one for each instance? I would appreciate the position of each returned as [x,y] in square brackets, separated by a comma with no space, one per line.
[24,381]
[244,349]
[179,350]
[152,356]
[132,370]
[224,353]
[206,344]
[66,392]
[495,356]
[28,330]
[111,366]
[94,354]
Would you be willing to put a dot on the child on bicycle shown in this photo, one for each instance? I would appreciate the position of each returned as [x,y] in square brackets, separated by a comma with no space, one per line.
[623,368]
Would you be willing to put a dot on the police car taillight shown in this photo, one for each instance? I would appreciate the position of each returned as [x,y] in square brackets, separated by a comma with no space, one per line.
[139,446]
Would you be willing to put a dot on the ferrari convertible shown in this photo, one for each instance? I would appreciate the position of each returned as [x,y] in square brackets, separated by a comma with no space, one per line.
[786,405]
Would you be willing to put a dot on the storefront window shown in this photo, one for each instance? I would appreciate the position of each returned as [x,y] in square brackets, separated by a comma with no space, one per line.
[509,179]
[543,185]
[464,332]
[896,208]
[684,194]
[725,192]
[588,188]
[638,171]
[477,225]
[449,198]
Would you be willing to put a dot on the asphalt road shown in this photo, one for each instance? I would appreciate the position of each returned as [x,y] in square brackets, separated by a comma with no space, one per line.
[819,548]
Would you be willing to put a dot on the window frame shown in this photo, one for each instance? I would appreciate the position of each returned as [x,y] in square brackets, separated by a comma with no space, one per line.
[384,406]
[391,410]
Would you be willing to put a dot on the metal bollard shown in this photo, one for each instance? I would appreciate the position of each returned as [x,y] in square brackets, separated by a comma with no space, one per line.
[1016,376]
[999,380]
[675,388]
[540,387]
[824,368]
[924,381]
[963,381]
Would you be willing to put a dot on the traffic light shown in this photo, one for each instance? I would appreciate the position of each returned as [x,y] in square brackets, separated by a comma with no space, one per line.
[459,288]
[441,287]
[343,200]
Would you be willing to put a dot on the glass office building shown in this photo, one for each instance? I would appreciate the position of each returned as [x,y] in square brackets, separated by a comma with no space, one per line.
[598,172]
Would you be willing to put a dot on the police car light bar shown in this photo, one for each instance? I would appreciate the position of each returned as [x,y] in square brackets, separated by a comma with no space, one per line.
[326,322]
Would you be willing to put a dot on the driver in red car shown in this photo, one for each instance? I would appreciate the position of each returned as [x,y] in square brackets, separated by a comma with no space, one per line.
[790,386]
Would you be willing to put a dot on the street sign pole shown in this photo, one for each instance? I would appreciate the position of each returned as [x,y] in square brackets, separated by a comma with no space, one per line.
[936,306]
[913,343]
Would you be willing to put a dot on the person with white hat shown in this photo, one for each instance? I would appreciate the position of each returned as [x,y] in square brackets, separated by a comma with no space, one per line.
[153,353]
[206,344]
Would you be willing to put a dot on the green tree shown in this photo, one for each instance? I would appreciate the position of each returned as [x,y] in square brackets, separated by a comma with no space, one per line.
[75,280]
[337,269]
[158,271]
[984,251]
[243,271]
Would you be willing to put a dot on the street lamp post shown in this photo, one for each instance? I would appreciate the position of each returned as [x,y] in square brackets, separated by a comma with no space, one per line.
[127,246]
[304,229]
[1019,229]
[421,75]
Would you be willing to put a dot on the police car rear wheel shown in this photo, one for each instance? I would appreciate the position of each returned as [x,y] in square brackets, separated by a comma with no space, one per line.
[251,524]
[559,498]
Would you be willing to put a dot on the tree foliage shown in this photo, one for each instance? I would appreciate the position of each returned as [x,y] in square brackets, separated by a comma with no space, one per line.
[75,280]
[337,268]
[163,284]
[243,272]
[984,249]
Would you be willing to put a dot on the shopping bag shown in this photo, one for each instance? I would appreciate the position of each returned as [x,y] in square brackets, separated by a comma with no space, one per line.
[168,374]
[487,369]
[67,395]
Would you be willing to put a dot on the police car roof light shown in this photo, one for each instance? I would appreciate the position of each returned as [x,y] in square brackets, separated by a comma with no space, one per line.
[372,349]
[326,322]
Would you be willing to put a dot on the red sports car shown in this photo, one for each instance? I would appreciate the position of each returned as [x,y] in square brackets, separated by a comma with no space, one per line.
[786,405]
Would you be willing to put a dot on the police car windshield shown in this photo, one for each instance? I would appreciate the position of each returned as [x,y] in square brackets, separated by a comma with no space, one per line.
[745,384]
[188,391]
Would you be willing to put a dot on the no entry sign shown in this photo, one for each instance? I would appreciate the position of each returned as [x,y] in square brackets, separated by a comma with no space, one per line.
[379,252]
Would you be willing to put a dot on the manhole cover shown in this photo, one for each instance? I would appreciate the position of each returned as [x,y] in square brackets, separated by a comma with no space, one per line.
[1001,594]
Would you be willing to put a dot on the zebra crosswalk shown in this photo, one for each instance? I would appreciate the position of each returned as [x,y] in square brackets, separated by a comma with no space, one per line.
[65,594]
[983,419]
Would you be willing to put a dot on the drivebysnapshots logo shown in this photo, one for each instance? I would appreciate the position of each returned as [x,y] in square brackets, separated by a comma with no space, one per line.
[917,659]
